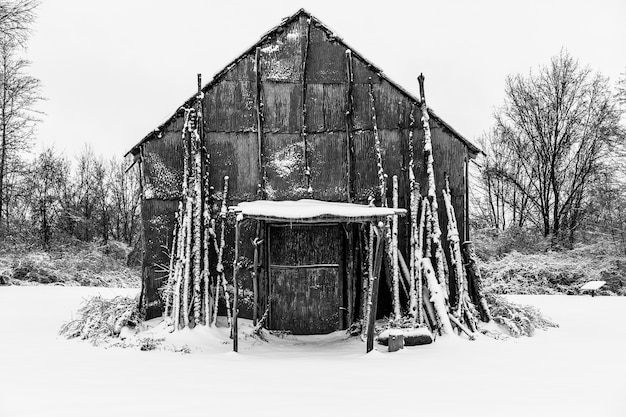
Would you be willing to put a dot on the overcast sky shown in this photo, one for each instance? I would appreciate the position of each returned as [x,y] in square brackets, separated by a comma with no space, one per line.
[114,70]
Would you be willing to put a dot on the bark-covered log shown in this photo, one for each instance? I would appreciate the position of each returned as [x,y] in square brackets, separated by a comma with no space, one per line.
[438,255]
[436,296]
[475,278]
[373,291]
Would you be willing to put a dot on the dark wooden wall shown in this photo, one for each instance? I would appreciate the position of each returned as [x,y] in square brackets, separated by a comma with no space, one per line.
[302,65]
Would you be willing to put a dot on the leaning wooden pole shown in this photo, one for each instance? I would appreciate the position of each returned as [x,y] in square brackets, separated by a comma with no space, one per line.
[473,275]
[373,290]
[455,249]
[235,284]
[394,253]
[415,247]
[439,257]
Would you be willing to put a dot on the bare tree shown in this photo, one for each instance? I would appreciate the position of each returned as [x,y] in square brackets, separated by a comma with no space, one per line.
[48,176]
[124,194]
[558,126]
[16,18]
[19,94]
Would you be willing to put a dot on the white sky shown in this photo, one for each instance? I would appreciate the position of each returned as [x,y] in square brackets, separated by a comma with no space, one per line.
[114,70]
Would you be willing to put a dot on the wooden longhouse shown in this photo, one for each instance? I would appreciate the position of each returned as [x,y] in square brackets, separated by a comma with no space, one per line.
[292,118]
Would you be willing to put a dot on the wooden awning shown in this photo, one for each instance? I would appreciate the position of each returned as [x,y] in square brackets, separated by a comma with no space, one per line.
[312,211]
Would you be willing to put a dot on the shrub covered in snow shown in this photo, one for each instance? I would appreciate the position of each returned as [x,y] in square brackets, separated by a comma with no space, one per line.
[100,318]
[554,272]
[519,320]
[80,264]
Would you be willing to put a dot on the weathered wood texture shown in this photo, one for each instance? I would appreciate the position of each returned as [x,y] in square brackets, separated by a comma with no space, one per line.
[158,218]
[233,141]
[306,285]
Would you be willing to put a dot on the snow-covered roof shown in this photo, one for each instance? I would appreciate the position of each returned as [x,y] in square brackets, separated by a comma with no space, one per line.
[312,211]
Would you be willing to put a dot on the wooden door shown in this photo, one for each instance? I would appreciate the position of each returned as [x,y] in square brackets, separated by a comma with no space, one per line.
[306,277]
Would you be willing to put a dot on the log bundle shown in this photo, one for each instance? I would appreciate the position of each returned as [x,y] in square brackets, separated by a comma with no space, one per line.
[192,294]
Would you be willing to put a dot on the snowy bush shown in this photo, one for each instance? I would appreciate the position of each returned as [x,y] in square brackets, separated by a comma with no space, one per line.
[554,272]
[519,320]
[100,318]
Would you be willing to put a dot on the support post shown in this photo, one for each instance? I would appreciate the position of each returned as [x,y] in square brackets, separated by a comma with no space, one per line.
[378,261]
[235,290]
[259,123]
[349,125]
[255,275]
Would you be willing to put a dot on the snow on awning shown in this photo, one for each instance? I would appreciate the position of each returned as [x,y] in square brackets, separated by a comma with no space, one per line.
[312,211]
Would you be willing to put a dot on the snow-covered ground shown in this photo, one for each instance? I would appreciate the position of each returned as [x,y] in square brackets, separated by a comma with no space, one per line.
[578,369]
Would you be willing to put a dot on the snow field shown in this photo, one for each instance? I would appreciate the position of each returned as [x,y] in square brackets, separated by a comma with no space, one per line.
[577,369]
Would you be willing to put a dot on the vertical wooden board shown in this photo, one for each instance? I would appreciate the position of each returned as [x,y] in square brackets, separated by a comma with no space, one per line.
[282,107]
[362,72]
[163,166]
[325,59]
[158,218]
[305,299]
[242,70]
[314,107]
[292,245]
[327,161]
[362,114]
[366,179]
[335,107]
[230,106]
[235,155]
[284,162]
[281,55]
[392,106]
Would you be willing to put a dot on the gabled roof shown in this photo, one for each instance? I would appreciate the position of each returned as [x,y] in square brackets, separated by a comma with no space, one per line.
[286,21]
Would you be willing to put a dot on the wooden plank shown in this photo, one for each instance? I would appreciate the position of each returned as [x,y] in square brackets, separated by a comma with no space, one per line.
[284,165]
[259,125]
[303,131]
[235,155]
[325,59]
[297,242]
[242,70]
[365,177]
[334,107]
[158,217]
[392,107]
[236,288]
[328,165]
[378,261]
[349,112]
[162,163]
[231,106]
[282,107]
[281,55]
[363,72]
[315,108]
[362,119]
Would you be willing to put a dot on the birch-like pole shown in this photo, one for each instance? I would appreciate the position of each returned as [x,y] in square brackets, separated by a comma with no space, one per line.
[455,250]
[394,252]
[439,257]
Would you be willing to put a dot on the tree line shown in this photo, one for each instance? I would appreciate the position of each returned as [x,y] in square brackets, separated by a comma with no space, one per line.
[554,159]
[46,196]
[52,198]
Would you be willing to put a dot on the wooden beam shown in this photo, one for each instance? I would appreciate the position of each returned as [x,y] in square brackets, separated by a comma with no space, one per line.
[349,125]
[255,274]
[235,289]
[303,133]
[378,261]
[259,123]
[349,273]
